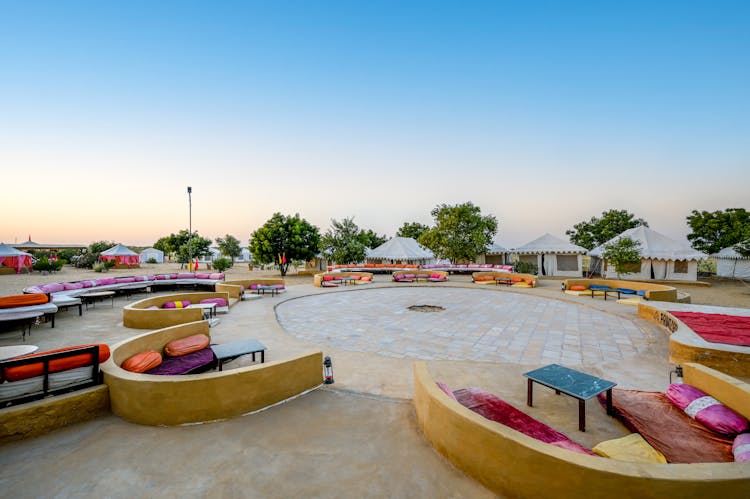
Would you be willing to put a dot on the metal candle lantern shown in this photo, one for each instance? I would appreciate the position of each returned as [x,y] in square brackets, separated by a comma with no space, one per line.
[327,371]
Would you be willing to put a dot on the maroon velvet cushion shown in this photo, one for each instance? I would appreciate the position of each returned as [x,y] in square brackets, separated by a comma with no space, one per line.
[496,409]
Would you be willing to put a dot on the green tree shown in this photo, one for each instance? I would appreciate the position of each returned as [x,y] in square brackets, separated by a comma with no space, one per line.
[283,239]
[600,230]
[345,242]
[412,229]
[229,246]
[371,239]
[461,232]
[222,264]
[713,231]
[623,254]
[184,246]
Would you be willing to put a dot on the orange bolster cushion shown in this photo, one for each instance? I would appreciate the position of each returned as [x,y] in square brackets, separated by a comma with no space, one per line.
[184,346]
[55,366]
[484,278]
[577,287]
[516,279]
[142,362]
[23,300]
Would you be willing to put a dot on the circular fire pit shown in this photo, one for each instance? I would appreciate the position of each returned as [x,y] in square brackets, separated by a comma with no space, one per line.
[426,308]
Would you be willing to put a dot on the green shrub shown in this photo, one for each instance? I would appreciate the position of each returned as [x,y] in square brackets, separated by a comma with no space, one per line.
[221,264]
[526,268]
[151,260]
[42,265]
[99,267]
[109,264]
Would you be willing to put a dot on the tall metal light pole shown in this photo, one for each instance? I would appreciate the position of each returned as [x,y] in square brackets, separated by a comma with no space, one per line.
[190,228]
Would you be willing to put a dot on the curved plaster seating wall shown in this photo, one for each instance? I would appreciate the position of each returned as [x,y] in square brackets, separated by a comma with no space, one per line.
[686,346]
[653,292]
[138,315]
[318,278]
[174,400]
[236,288]
[512,464]
[493,274]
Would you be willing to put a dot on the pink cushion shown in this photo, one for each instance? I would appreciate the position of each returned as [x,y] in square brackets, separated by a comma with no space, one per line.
[53,287]
[185,276]
[173,276]
[327,277]
[741,448]
[202,276]
[34,289]
[707,410]
[105,281]
[220,302]
[216,276]
[445,389]
[140,278]
[409,276]
[176,304]
[73,285]
[123,280]
[253,286]
[88,284]
[435,276]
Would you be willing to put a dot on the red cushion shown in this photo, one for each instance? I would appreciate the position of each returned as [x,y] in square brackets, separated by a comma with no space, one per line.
[184,346]
[142,362]
[577,288]
[57,365]
[327,277]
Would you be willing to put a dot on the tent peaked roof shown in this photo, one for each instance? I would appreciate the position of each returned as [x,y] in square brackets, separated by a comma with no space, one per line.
[8,250]
[401,248]
[496,249]
[119,250]
[654,245]
[730,253]
[549,244]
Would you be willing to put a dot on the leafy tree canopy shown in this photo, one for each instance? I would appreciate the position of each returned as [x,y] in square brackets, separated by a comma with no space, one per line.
[283,239]
[184,246]
[412,229]
[345,242]
[600,230]
[229,246]
[461,232]
[713,231]
[623,253]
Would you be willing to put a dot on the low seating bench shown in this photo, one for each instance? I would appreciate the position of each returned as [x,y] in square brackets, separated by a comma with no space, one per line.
[230,351]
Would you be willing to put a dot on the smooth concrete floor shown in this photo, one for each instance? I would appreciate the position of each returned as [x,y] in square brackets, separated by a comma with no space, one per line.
[358,438]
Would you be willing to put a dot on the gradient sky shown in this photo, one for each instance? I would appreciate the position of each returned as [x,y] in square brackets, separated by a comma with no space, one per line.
[541,113]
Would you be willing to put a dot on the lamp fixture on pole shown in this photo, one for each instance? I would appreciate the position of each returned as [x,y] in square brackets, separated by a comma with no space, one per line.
[190,228]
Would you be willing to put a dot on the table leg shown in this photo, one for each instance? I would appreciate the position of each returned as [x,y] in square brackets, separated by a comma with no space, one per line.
[80,309]
[221,364]
[582,415]
[253,354]
[610,412]
[529,392]
[262,356]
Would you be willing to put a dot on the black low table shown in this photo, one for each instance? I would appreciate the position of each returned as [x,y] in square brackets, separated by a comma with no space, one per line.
[230,351]
[574,383]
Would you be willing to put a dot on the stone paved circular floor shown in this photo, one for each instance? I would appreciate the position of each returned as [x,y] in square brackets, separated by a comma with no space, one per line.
[477,325]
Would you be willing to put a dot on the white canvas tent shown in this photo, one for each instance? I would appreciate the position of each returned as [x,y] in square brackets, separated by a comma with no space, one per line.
[400,250]
[662,258]
[729,263]
[496,255]
[553,256]
[149,253]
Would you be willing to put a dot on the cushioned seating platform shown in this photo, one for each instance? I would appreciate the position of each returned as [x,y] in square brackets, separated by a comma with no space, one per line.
[199,361]
[625,291]
[599,287]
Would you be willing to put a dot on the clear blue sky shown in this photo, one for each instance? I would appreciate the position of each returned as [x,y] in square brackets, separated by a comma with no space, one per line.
[541,113]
